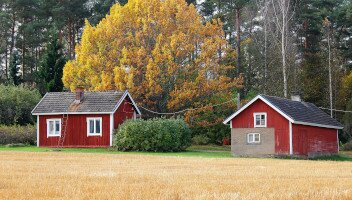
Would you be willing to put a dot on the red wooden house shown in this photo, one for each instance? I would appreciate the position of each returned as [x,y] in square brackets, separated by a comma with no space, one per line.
[276,126]
[82,119]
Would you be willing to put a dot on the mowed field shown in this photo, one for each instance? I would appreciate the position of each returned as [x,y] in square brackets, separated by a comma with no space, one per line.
[65,175]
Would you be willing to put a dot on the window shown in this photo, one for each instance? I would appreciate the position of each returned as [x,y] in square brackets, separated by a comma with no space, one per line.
[53,127]
[259,119]
[94,126]
[253,138]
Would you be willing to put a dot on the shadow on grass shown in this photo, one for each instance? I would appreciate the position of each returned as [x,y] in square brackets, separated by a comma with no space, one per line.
[341,157]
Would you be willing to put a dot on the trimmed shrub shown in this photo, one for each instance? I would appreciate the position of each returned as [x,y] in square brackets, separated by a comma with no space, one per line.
[159,135]
[18,134]
[200,140]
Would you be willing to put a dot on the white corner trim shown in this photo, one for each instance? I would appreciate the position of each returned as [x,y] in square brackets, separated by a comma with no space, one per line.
[338,142]
[111,128]
[38,130]
[290,136]
[101,126]
[251,102]
[47,127]
[266,119]
[38,103]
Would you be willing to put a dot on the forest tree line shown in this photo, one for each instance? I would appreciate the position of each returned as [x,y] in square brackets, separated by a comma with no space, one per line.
[279,48]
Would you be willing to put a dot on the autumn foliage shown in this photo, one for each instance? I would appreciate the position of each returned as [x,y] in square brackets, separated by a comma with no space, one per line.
[162,52]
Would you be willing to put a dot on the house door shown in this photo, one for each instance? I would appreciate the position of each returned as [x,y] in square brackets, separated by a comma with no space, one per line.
[303,142]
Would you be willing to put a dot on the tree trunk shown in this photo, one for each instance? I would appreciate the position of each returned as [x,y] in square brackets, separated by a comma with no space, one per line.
[239,70]
[23,56]
[13,32]
[265,54]
[238,30]
[6,63]
[330,77]
[283,47]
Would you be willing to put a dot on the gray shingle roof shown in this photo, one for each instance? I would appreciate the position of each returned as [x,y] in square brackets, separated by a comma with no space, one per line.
[93,102]
[302,111]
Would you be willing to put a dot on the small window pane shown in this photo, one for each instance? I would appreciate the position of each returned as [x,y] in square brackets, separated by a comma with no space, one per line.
[262,121]
[51,127]
[257,120]
[250,138]
[256,138]
[91,126]
[97,126]
[57,127]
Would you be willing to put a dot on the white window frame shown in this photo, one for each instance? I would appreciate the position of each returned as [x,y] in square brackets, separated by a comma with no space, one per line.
[48,133]
[260,114]
[95,131]
[253,142]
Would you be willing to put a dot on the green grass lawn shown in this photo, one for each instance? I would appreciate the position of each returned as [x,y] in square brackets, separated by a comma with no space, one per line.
[209,151]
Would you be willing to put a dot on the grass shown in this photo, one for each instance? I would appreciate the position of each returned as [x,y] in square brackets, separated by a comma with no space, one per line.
[206,151]
[105,175]
[212,151]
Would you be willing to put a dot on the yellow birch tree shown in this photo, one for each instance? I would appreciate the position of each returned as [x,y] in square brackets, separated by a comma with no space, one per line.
[161,51]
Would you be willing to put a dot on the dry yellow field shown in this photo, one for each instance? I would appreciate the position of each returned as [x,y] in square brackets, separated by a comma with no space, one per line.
[58,175]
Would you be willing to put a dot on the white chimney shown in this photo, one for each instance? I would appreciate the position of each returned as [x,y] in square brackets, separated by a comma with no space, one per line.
[296,98]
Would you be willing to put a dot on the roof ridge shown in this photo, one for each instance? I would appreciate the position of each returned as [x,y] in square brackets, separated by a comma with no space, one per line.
[111,91]
[283,98]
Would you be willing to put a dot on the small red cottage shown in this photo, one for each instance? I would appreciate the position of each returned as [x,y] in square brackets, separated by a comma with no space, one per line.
[275,126]
[82,119]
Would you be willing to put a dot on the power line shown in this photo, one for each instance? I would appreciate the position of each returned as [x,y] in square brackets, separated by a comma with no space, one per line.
[187,109]
[345,111]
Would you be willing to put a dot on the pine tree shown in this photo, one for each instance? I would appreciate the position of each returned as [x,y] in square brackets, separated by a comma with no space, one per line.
[50,71]
[347,118]
[314,72]
[14,69]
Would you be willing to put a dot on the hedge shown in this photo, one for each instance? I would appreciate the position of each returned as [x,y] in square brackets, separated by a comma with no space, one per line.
[18,134]
[16,104]
[159,135]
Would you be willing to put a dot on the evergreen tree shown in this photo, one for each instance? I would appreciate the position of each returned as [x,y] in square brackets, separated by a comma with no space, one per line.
[14,69]
[50,71]
[314,70]
[347,118]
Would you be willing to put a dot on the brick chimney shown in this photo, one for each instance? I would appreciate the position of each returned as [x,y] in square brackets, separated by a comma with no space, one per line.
[79,95]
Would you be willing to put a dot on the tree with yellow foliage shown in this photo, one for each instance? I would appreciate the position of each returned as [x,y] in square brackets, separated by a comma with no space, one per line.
[162,51]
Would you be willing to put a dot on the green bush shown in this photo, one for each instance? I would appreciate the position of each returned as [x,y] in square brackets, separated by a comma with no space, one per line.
[16,104]
[347,146]
[200,140]
[215,133]
[162,135]
[18,134]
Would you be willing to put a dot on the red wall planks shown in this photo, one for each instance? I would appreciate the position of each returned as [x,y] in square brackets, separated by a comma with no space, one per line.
[274,120]
[311,140]
[125,111]
[76,132]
